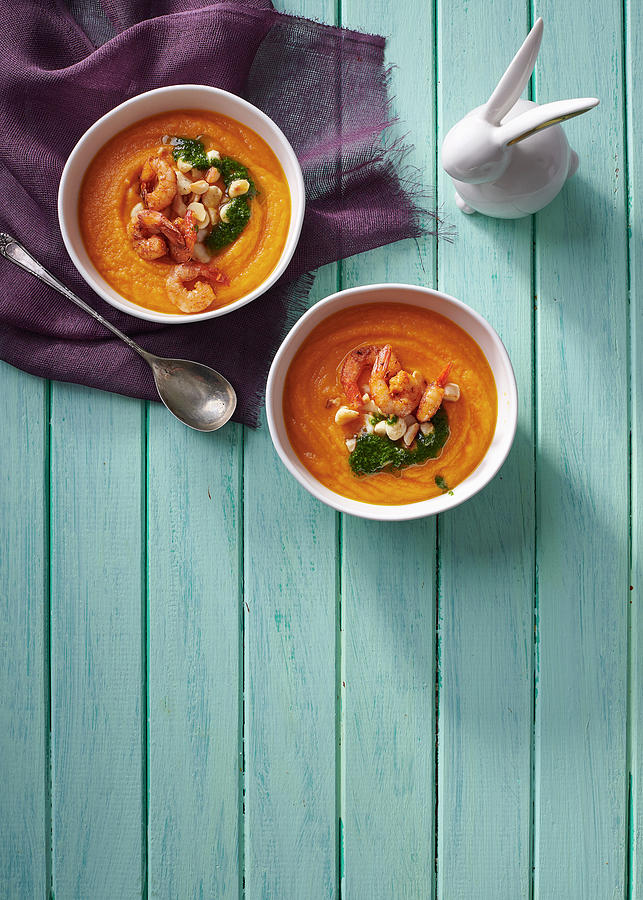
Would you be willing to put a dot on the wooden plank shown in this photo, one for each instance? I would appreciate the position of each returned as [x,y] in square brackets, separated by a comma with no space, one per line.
[388,570]
[97,643]
[389,622]
[634,95]
[486,565]
[583,573]
[289,658]
[24,679]
[290,824]
[195,497]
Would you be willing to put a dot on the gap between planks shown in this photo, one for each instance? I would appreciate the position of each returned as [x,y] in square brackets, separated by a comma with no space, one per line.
[632,619]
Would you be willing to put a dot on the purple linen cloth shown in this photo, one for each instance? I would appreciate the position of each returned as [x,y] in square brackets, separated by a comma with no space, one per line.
[324,86]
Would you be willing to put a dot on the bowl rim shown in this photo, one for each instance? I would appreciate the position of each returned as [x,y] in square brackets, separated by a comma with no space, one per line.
[297,207]
[405,511]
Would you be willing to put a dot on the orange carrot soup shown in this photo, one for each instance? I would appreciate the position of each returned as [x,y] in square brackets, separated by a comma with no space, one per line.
[185,211]
[389,403]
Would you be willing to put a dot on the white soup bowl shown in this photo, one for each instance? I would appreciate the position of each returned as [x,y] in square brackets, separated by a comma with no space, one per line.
[168,99]
[471,322]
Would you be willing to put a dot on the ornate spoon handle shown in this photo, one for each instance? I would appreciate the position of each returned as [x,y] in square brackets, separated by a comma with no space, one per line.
[13,250]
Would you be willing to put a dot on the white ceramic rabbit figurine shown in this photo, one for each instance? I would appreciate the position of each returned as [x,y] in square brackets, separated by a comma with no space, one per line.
[510,157]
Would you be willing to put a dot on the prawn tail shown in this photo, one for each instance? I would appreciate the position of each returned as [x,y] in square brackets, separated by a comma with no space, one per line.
[382,360]
[442,378]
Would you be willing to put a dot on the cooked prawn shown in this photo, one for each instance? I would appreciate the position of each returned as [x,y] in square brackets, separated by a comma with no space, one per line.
[153,247]
[157,183]
[432,396]
[396,395]
[181,249]
[354,363]
[149,232]
[187,292]
[151,221]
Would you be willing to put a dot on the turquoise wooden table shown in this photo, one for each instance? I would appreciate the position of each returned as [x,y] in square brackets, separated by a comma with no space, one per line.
[214,687]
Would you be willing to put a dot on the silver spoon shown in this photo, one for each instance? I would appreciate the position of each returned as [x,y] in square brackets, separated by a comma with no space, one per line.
[194,393]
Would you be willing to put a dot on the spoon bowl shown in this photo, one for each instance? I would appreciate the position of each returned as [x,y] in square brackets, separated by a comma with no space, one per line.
[196,394]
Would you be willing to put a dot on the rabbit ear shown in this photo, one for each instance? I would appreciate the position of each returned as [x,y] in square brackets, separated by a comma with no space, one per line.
[513,82]
[539,117]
